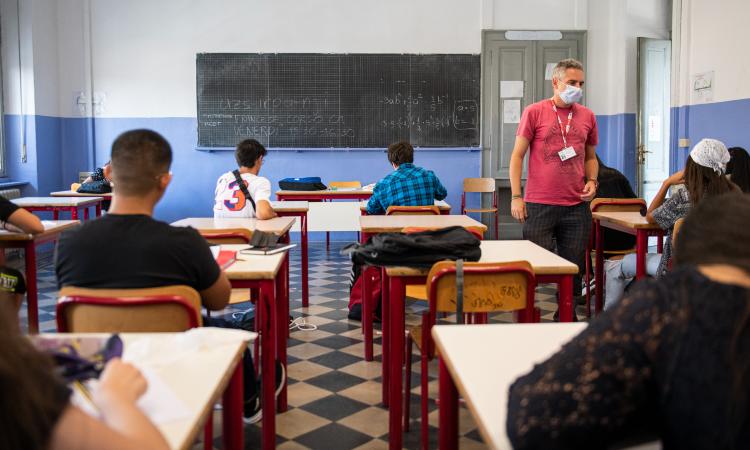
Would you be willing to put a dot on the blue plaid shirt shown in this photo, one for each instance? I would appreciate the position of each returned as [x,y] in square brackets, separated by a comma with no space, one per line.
[408,185]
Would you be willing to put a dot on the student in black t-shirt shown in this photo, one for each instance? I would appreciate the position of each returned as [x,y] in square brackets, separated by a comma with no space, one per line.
[14,218]
[128,248]
[613,184]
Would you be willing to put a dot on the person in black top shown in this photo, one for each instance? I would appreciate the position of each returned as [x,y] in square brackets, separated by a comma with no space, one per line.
[15,218]
[669,361]
[738,168]
[613,184]
[128,248]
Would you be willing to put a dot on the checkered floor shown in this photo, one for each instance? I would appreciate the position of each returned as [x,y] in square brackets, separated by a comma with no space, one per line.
[334,395]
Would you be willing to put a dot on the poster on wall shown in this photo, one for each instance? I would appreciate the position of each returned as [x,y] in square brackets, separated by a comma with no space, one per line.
[703,87]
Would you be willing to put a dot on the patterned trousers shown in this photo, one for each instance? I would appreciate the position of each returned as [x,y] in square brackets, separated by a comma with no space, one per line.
[564,230]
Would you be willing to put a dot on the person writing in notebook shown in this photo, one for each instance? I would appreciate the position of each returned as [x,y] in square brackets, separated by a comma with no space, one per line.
[561,137]
[241,192]
[128,248]
[407,185]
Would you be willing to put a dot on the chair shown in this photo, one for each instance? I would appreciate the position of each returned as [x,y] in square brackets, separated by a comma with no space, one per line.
[227,236]
[608,205]
[481,186]
[169,308]
[676,230]
[394,210]
[340,185]
[488,287]
[160,309]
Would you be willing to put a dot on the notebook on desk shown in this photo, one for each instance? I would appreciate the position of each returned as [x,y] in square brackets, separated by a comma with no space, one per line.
[267,249]
[224,258]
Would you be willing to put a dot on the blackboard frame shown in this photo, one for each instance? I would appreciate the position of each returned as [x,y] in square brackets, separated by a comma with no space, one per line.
[425,129]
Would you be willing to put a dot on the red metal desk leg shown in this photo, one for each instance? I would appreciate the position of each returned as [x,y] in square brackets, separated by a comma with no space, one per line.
[385,308]
[396,362]
[641,248]
[74,213]
[303,238]
[448,432]
[55,214]
[31,291]
[98,209]
[565,290]
[282,327]
[599,269]
[367,311]
[267,309]
[232,411]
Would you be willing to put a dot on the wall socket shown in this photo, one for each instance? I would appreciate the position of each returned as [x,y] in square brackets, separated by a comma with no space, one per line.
[683,143]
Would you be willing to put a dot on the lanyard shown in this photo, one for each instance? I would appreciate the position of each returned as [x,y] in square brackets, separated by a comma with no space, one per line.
[566,130]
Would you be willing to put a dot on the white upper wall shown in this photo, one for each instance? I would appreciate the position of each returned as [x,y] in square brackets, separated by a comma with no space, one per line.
[713,38]
[535,14]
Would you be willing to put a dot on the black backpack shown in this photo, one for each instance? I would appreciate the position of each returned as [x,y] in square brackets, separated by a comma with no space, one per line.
[422,249]
[302,184]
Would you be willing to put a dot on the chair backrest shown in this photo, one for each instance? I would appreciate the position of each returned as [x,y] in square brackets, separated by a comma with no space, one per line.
[676,230]
[227,236]
[344,184]
[167,308]
[479,185]
[618,204]
[394,210]
[488,287]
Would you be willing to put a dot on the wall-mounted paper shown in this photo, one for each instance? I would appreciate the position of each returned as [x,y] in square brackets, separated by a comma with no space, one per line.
[548,69]
[511,111]
[703,87]
[511,89]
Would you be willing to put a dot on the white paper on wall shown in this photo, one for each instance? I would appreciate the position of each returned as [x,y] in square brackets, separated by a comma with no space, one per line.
[703,87]
[511,89]
[511,111]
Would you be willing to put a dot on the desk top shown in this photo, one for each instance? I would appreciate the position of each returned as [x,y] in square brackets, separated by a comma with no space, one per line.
[78,194]
[290,206]
[277,225]
[441,204]
[394,224]
[51,227]
[543,261]
[629,219]
[483,378]
[329,192]
[253,267]
[198,380]
[25,202]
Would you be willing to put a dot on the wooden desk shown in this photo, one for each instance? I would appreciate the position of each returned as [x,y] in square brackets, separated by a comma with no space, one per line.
[298,209]
[327,194]
[277,225]
[483,377]
[106,196]
[198,381]
[445,208]
[269,276]
[57,204]
[370,225]
[548,268]
[627,222]
[29,243]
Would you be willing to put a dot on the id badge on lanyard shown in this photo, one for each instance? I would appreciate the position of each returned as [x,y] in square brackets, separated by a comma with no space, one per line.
[567,152]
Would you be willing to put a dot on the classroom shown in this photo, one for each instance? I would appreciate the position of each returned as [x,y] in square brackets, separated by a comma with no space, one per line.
[476,224]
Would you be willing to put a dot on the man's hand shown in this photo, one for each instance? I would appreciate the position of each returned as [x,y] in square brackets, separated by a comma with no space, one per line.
[518,209]
[589,191]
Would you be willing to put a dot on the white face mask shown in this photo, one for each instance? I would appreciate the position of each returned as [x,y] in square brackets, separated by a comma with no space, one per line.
[571,94]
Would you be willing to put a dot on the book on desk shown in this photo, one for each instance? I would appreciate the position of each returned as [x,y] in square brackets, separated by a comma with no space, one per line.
[266,249]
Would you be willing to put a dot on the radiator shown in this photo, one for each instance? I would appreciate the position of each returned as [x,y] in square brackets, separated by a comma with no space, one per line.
[10,193]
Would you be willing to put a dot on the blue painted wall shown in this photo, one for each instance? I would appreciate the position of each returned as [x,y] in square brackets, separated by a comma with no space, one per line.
[728,122]
[617,142]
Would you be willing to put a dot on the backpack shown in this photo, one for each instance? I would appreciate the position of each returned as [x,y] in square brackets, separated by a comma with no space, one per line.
[302,184]
[95,187]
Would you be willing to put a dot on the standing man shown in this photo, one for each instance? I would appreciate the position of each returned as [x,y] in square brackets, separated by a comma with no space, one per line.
[561,137]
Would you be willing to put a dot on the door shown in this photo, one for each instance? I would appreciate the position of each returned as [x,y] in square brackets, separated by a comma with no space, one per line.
[652,155]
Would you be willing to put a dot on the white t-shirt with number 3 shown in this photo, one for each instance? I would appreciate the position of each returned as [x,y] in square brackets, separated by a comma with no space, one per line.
[229,201]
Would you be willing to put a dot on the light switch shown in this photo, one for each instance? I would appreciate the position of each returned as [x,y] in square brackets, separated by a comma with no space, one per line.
[683,143]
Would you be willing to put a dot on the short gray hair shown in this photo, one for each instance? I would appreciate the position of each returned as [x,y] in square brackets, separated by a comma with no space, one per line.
[565,64]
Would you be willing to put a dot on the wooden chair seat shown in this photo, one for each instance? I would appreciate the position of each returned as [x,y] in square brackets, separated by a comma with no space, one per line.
[482,186]
[431,210]
[416,291]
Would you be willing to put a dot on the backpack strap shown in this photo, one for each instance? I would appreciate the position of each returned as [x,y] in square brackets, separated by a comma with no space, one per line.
[243,188]
[460,291]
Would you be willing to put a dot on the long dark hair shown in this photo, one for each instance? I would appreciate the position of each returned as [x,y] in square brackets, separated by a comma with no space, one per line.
[702,181]
[739,168]
[717,232]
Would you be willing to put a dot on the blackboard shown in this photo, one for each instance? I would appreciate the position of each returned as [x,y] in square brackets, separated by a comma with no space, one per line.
[305,100]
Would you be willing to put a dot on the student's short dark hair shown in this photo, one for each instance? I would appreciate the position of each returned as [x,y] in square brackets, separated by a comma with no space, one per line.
[138,158]
[248,152]
[400,153]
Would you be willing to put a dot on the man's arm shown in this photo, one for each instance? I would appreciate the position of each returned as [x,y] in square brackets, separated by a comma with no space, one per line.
[440,191]
[591,166]
[216,296]
[265,211]
[517,205]
[374,205]
[26,221]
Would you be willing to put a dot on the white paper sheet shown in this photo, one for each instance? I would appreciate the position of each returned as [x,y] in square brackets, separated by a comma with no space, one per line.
[511,89]
[511,111]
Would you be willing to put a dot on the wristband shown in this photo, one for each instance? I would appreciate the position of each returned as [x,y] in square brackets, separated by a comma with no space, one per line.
[596,183]
[513,197]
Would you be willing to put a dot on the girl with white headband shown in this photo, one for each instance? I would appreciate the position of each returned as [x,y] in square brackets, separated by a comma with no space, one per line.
[704,176]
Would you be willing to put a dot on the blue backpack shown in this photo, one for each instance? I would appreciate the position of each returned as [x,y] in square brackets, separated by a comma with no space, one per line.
[302,184]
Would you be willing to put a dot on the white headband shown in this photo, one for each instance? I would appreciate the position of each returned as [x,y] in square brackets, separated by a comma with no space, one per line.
[712,154]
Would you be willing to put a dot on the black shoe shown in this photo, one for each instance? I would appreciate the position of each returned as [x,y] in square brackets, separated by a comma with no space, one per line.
[253,412]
